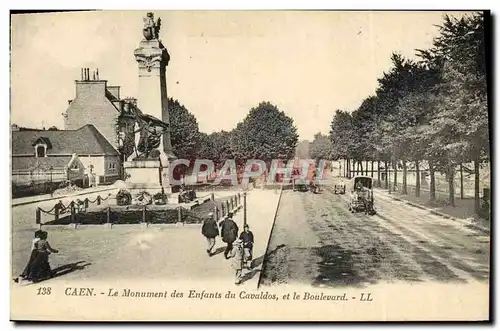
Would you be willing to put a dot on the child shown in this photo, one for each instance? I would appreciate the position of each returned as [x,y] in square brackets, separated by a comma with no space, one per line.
[237,262]
[41,268]
[34,252]
[247,238]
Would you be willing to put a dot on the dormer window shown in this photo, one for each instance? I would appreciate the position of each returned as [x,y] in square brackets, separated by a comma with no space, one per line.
[41,145]
[41,150]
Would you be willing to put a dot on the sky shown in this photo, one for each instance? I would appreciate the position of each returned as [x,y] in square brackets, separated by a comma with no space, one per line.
[223,63]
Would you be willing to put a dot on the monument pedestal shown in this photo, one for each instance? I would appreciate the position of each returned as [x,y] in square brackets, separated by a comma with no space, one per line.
[147,175]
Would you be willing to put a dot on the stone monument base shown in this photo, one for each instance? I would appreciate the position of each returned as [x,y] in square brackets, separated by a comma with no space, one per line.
[147,175]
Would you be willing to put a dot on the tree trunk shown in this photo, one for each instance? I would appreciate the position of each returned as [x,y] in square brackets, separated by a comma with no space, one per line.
[366,168]
[432,188]
[461,182]
[451,186]
[395,168]
[372,167]
[386,176]
[417,180]
[477,201]
[378,174]
[405,173]
[353,168]
[360,163]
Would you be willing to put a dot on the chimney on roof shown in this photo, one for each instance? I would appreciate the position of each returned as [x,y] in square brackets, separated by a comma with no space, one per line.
[90,86]
[114,90]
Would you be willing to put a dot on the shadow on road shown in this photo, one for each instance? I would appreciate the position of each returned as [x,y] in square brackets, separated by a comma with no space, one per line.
[68,268]
[219,250]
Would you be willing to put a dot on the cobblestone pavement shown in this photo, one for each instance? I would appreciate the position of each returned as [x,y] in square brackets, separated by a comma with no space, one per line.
[317,241]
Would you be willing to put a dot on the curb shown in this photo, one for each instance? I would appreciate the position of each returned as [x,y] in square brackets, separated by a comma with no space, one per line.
[14,204]
[269,239]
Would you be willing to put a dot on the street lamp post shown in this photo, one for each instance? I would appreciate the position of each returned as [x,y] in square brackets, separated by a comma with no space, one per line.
[244,209]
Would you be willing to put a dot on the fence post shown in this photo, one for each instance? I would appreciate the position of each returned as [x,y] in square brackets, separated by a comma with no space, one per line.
[108,216]
[179,215]
[86,203]
[232,204]
[56,211]
[212,196]
[222,210]
[227,206]
[38,216]
[72,207]
[144,215]
[98,200]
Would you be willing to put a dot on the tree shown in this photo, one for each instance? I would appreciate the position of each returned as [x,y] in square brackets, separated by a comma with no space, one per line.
[321,147]
[364,121]
[341,132]
[222,150]
[461,123]
[184,132]
[266,133]
[206,148]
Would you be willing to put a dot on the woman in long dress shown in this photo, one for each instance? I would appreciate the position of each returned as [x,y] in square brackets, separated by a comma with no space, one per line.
[27,270]
[40,269]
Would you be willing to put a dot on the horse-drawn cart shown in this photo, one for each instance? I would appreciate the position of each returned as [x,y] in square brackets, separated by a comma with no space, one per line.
[361,197]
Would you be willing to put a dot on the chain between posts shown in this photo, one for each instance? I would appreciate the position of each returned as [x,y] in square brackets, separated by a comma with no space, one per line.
[226,206]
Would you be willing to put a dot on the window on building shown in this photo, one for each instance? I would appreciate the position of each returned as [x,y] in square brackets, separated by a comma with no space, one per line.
[40,151]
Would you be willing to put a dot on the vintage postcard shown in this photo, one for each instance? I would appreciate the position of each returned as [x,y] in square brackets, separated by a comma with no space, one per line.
[250,166]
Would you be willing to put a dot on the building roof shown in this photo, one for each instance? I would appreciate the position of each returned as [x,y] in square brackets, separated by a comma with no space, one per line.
[86,140]
[26,163]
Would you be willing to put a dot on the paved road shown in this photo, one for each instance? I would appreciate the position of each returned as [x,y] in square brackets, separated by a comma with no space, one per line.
[317,241]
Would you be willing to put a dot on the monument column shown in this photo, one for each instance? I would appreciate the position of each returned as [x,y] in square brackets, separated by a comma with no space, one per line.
[152,58]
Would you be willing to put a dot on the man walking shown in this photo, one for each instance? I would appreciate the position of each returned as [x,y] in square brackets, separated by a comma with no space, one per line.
[210,230]
[229,233]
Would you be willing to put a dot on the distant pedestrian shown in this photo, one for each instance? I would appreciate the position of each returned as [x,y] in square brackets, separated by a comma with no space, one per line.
[237,263]
[247,240]
[229,233]
[210,230]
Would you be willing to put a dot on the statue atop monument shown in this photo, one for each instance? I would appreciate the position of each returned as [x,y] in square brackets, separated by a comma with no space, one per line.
[151,28]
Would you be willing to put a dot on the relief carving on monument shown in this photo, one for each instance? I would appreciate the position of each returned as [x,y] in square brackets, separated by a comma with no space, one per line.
[143,140]
[150,61]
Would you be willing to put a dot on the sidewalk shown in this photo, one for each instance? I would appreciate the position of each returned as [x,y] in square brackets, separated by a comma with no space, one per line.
[48,197]
[462,212]
[157,253]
